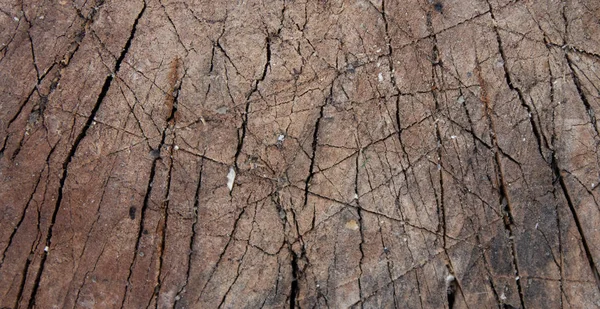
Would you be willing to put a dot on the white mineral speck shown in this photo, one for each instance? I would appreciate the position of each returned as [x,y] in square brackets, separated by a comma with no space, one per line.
[16,18]
[281,138]
[46,249]
[176,147]
[453,137]
[380,76]
[230,178]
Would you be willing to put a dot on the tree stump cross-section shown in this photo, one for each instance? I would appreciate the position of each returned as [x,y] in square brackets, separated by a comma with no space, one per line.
[301,154]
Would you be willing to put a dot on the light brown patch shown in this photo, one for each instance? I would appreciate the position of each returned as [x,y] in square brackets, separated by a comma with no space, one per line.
[352,225]
[173,85]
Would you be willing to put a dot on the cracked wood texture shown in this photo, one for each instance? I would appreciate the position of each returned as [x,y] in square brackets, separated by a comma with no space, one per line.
[301,154]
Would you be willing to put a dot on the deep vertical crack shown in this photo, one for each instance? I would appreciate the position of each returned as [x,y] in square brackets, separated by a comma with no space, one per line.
[107,83]
[172,99]
[222,255]
[193,237]
[504,201]
[237,276]
[439,199]
[392,70]
[586,246]
[452,283]
[539,137]
[35,66]
[541,142]
[361,230]
[171,102]
[590,111]
[23,214]
[254,89]
[503,194]
[163,231]
[35,243]
[486,264]
[295,276]
[389,263]
[63,63]
[419,288]
[315,142]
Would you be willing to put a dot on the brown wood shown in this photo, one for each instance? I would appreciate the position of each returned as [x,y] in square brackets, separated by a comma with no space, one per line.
[301,154]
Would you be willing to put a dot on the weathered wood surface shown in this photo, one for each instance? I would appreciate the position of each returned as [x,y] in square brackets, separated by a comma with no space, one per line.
[245,154]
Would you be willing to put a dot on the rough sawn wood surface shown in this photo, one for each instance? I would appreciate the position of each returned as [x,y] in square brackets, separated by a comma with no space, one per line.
[301,154]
